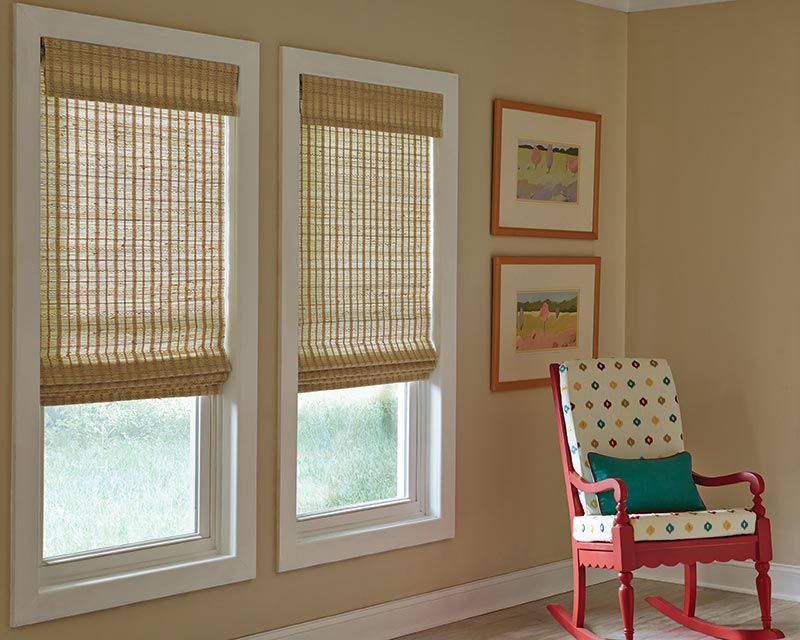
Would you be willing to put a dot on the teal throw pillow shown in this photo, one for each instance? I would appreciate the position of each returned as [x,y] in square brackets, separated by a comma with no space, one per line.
[654,485]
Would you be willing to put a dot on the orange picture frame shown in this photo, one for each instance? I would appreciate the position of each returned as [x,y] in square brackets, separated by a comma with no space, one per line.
[554,191]
[528,292]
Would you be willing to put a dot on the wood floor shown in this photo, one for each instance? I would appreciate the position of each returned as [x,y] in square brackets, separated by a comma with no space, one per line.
[532,621]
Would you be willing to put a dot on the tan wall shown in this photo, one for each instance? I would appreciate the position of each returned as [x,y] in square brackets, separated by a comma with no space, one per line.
[713,232]
[511,511]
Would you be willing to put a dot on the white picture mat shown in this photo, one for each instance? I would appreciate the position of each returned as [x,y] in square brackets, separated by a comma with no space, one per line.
[535,214]
[547,277]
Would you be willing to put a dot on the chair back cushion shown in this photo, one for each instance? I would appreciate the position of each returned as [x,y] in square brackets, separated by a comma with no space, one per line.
[620,407]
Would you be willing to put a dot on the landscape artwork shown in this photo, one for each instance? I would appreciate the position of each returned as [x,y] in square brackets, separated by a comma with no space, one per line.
[546,320]
[547,172]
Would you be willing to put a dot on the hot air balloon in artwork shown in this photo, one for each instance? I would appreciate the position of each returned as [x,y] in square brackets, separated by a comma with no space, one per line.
[573,165]
[536,156]
[544,313]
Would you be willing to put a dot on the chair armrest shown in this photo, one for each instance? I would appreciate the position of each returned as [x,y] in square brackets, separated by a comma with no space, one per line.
[609,484]
[755,481]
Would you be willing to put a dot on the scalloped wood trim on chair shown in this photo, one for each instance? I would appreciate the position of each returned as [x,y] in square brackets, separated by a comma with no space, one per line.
[624,555]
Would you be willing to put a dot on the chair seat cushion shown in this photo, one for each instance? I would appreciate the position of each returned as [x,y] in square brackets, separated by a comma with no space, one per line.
[684,525]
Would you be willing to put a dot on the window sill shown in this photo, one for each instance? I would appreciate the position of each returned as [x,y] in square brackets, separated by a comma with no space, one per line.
[307,549]
[83,595]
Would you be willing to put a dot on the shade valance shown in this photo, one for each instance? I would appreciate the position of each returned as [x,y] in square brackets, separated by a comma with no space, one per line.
[126,76]
[335,102]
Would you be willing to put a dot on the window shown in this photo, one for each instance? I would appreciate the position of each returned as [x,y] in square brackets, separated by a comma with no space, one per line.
[134,446]
[368,307]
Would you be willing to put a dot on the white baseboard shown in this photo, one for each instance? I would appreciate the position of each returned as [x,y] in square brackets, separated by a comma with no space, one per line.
[733,576]
[417,613]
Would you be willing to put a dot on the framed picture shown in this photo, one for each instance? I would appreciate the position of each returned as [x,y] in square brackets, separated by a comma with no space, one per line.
[545,171]
[544,309]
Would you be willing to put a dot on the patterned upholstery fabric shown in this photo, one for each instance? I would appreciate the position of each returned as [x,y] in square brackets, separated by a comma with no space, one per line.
[686,525]
[621,407]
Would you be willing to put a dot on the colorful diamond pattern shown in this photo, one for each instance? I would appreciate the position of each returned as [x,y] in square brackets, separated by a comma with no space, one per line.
[687,525]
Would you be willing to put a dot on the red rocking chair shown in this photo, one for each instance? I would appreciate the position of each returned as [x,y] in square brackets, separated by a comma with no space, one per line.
[628,408]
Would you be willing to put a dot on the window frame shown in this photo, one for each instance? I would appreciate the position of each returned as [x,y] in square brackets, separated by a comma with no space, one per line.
[304,542]
[149,571]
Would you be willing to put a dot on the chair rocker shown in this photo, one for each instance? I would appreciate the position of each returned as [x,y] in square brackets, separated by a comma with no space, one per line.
[628,408]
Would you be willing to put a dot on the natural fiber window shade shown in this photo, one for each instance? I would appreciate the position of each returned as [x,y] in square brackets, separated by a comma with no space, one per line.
[365,273]
[132,246]
[358,105]
[127,76]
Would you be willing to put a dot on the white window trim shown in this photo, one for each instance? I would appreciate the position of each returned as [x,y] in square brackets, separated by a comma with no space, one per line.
[432,516]
[166,569]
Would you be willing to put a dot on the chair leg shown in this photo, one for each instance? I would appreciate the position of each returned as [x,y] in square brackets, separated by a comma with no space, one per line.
[626,603]
[689,589]
[764,588]
[578,593]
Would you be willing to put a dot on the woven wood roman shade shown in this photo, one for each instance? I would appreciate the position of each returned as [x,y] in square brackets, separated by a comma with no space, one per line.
[132,226]
[365,234]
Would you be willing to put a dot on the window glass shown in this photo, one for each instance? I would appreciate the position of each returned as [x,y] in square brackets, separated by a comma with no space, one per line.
[118,473]
[350,447]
